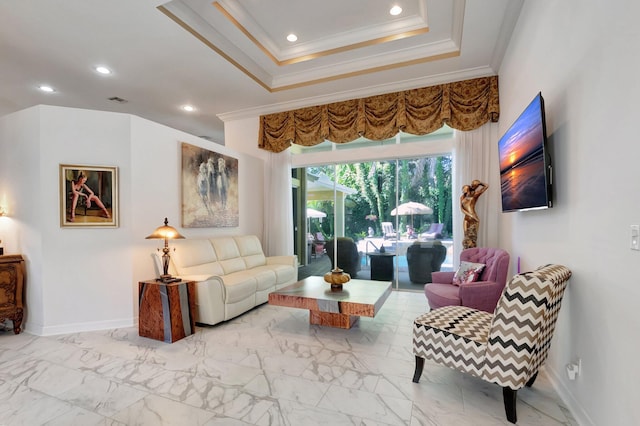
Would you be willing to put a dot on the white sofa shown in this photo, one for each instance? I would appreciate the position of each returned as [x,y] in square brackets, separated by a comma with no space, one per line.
[232,274]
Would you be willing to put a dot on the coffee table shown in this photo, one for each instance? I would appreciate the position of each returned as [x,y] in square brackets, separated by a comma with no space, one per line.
[341,309]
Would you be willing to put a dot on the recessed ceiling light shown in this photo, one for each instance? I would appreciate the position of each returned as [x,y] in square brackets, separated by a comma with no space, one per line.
[188,108]
[395,10]
[292,37]
[103,70]
[46,88]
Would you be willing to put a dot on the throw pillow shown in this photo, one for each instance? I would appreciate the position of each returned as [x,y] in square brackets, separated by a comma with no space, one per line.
[468,272]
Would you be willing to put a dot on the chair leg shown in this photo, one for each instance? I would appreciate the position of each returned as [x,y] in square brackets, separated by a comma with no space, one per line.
[418,371]
[509,395]
[531,380]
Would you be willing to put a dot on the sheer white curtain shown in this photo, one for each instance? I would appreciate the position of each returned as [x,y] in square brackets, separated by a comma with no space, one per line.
[476,157]
[278,215]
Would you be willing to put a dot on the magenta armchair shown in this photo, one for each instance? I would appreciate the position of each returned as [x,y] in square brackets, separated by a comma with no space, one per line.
[482,294]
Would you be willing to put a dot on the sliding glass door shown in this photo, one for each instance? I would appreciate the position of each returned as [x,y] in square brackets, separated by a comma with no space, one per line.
[385,207]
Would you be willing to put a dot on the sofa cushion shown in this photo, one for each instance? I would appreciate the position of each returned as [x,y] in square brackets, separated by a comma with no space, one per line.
[251,250]
[239,286]
[195,257]
[284,273]
[442,295]
[265,277]
[228,254]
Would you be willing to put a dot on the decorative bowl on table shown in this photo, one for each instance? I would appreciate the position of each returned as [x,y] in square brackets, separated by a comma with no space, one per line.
[337,277]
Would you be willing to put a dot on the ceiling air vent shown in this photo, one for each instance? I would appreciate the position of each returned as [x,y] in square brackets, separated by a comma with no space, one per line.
[118,100]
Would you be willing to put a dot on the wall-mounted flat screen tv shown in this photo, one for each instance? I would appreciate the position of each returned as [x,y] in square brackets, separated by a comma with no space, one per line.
[525,165]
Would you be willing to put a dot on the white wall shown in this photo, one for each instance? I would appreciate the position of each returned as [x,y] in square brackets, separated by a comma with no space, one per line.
[242,136]
[72,283]
[583,57]
[86,279]
[19,193]
[156,155]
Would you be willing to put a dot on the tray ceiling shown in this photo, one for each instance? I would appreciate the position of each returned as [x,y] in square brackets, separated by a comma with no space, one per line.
[230,58]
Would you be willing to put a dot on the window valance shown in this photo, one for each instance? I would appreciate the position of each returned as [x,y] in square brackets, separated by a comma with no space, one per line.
[463,105]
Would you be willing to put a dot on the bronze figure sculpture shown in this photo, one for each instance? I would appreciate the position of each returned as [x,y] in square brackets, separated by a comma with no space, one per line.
[471,222]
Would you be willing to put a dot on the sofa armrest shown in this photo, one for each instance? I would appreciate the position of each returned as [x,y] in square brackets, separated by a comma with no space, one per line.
[482,295]
[442,277]
[199,278]
[283,260]
[209,300]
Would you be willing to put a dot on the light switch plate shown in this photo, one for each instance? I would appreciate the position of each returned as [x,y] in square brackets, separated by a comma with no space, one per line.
[635,237]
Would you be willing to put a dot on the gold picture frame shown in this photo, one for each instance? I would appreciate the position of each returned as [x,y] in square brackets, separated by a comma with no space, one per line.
[88,196]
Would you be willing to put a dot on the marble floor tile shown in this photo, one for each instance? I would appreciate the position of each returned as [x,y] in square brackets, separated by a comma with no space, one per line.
[103,396]
[268,367]
[80,417]
[345,377]
[226,373]
[155,410]
[284,387]
[368,405]
[41,375]
[290,413]
[20,405]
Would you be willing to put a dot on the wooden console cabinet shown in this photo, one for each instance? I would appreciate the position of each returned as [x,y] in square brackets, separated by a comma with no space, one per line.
[12,281]
[166,310]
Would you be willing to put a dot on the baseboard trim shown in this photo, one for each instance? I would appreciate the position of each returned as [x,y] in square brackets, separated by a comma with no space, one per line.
[79,327]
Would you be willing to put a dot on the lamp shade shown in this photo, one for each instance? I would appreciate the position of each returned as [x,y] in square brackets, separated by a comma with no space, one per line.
[165,232]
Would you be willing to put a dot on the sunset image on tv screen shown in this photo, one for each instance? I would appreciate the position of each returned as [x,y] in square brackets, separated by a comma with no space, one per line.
[522,170]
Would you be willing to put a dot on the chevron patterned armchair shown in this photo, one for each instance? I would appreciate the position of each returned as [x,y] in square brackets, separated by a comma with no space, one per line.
[507,347]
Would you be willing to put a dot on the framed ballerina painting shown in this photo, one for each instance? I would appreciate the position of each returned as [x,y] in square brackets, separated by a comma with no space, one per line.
[88,196]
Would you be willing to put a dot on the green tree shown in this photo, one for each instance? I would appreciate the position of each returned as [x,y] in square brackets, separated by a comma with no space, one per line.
[426,180]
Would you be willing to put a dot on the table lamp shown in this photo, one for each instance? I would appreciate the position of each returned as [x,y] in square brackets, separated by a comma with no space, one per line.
[167,233]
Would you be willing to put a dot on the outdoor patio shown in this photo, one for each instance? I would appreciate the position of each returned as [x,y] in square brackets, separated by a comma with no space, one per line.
[319,265]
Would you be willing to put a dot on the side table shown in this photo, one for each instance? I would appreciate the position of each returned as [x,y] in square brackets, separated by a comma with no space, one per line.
[12,273]
[166,310]
[382,266]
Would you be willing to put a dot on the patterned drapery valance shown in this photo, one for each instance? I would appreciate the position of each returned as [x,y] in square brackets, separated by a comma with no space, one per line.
[463,105]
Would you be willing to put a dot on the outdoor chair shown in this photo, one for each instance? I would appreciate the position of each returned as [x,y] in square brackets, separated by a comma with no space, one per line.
[348,255]
[434,231]
[424,258]
[507,347]
[319,244]
[388,231]
[482,293]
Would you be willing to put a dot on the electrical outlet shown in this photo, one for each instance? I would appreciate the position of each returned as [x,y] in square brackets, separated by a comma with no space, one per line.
[635,237]
[574,369]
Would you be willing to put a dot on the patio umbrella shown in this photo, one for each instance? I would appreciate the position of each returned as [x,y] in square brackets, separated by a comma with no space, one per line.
[411,208]
[313,213]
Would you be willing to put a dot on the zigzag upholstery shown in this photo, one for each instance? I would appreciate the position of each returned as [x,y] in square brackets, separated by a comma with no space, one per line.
[507,347]
[455,336]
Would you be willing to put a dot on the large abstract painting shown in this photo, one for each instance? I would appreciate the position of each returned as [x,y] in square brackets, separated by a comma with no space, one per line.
[209,188]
